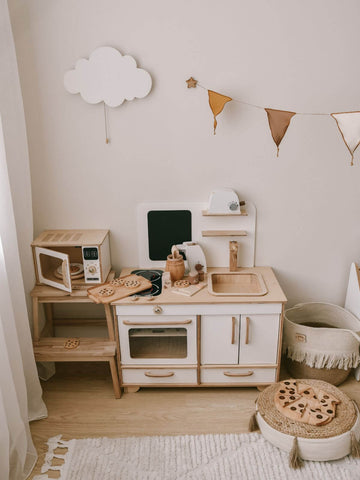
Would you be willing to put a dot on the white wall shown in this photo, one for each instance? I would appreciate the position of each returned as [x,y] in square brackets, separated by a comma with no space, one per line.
[285,54]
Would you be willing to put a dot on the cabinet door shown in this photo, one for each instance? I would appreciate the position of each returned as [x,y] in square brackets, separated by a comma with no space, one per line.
[219,339]
[259,339]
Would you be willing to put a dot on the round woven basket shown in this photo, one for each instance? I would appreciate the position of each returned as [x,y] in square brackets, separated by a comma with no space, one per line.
[319,443]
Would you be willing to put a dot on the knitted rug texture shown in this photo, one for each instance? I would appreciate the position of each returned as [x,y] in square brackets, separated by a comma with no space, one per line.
[188,457]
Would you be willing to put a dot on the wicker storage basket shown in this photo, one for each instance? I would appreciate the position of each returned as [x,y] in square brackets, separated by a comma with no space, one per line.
[321,342]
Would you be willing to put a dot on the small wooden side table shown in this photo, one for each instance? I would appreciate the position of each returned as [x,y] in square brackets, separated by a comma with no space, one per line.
[48,348]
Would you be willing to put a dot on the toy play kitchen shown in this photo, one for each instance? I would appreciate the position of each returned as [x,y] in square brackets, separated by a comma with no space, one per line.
[225,333]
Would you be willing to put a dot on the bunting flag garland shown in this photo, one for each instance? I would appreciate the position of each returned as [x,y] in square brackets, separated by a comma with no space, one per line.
[217,103]
[349,126]
[279,121]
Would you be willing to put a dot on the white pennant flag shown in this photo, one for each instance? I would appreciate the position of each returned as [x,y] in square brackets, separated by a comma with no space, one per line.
[349,126]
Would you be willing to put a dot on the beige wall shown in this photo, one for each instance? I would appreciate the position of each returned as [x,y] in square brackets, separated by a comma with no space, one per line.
[281,54]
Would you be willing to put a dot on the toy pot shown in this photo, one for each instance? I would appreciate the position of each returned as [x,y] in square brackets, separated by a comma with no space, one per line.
[176,267]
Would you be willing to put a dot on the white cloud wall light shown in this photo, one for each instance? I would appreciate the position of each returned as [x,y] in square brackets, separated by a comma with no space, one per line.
[109,77]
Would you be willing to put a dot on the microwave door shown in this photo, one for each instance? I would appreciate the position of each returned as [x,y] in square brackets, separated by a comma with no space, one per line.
[53,268]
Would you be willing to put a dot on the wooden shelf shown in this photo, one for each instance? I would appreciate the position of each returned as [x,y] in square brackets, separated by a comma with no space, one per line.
[242,213]
[51,349]
[224,233]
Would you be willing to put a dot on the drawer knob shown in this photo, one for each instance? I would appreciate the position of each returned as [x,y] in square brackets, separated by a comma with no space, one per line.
[157,309]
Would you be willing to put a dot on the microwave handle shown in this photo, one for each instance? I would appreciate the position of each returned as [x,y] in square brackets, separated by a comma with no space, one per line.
[64,270]
[185,322]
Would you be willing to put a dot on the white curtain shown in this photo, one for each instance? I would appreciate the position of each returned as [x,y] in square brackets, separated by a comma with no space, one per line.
[20,390]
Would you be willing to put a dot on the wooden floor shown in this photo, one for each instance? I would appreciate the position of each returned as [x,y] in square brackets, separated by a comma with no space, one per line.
[81,404]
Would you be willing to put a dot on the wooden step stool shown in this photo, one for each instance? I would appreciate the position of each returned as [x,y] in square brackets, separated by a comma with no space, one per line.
[48,348]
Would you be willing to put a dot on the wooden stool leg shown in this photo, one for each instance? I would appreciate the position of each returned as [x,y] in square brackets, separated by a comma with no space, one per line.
[109,320]
[49,318]
[35,302]
[115,377]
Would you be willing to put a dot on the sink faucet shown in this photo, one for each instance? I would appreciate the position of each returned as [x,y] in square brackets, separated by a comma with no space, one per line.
[233,250]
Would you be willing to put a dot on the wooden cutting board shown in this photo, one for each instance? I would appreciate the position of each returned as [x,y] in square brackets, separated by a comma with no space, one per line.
[118,288]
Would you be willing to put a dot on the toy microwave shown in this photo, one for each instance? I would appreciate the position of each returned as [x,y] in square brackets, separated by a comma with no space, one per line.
[71,259]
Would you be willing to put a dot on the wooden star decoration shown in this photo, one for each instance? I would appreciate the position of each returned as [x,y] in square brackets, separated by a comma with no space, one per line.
[191,83]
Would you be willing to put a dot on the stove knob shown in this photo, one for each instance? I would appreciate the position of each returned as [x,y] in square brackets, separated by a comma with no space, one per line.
[233,206]
[157,309]
[92,269]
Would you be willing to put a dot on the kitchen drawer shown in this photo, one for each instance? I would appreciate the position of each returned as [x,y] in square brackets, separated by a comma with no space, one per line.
[163,320]
[153,375]
[237,375]
[196,309]
[152,308]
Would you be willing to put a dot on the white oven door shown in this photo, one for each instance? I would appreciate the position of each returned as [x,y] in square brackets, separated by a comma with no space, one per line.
[146,340]
[53,268]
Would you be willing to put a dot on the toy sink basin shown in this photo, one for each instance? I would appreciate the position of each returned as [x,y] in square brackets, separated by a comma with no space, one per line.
[236,283]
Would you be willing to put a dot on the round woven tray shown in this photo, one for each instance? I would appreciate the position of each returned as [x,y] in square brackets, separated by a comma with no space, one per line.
[344,420]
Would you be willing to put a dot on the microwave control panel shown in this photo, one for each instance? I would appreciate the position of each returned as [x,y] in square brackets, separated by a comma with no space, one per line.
[91,264]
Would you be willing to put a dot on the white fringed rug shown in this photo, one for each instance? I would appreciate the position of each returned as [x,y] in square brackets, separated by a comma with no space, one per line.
[245,456]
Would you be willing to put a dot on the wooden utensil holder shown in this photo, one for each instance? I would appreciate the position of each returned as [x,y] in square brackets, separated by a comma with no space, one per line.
[176,267]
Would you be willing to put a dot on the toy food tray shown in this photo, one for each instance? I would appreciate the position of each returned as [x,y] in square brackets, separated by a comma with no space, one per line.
[118,288]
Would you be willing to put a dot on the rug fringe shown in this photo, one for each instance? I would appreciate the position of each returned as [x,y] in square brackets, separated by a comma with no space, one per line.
[53,443]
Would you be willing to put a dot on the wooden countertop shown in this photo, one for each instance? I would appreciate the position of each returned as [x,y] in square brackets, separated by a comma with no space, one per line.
[274,295]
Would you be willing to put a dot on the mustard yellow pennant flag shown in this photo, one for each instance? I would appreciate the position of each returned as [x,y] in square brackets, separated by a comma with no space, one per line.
[217,103]
[279,120]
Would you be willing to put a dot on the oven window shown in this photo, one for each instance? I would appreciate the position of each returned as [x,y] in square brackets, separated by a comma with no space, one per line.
[158,342]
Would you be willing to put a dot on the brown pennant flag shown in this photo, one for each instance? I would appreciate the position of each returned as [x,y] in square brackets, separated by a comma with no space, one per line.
[279,120]
[217,103]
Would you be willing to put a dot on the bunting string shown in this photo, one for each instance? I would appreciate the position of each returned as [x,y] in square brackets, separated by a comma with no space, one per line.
[348,123]
[263,108]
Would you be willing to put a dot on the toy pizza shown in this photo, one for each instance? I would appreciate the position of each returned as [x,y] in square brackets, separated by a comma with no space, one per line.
[304,403]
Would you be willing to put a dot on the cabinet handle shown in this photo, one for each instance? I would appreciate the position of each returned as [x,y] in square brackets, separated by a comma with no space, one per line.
[247,330]
[185,322]
[159,375]
[233,330]
[246,374]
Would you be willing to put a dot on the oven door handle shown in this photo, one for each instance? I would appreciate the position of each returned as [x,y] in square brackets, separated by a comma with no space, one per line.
[128,322]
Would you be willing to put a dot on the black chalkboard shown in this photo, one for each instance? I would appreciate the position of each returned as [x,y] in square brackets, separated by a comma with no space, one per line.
[167,228]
